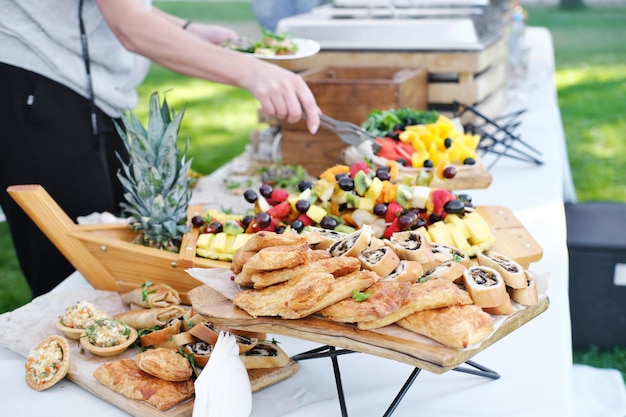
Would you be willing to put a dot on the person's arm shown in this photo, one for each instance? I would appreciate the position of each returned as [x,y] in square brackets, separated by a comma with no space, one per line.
[161,38]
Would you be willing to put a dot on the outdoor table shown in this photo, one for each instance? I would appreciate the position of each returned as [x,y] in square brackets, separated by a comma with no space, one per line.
[534,362]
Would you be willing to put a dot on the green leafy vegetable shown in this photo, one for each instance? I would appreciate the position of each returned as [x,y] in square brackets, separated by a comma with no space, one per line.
[381,122]
[360,296]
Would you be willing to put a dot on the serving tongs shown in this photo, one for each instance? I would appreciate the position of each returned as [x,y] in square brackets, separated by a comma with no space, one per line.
[350,133]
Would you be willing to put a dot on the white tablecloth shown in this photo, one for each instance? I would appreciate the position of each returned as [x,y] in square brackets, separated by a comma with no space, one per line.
[535,361]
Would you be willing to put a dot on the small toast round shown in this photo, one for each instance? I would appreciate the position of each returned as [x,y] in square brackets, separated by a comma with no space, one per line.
[62,370]
[71,332]
[111,350]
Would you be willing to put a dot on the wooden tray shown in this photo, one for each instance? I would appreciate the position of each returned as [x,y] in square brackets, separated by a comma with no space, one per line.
[391,342]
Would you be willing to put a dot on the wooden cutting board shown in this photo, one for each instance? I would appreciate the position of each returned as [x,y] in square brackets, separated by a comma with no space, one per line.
[391,342]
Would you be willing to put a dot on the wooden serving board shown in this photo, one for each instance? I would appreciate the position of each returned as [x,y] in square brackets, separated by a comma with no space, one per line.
[391,342]
[259,379]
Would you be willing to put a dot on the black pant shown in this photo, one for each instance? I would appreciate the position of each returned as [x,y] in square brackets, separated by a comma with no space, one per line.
[46,139]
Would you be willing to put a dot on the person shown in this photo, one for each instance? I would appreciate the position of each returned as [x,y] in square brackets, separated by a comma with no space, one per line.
[269,12]
[68,70]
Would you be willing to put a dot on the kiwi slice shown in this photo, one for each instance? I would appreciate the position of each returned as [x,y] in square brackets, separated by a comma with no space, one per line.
[361,182]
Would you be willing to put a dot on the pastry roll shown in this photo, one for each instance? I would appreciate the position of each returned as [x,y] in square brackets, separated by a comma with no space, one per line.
[503,309]
[511,271]
[445,253]
[409,271]
[201,352]
[352,244]
[449,270]
[162,335]
[456,326]
[320,238]
[485,285]
[527,296]
[151,317]
[413,246]
[152,296]
[383,260]
[435,293]
[265,355]
[383,298]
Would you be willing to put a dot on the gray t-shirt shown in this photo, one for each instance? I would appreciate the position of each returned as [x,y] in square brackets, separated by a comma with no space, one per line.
[43,36]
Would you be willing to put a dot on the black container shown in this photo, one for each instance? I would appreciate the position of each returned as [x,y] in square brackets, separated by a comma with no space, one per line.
[596,240]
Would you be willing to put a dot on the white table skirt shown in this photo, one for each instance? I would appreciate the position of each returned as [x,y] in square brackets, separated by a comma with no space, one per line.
[535,361]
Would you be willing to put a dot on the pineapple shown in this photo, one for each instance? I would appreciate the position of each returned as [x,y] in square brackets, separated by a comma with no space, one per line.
[155,181]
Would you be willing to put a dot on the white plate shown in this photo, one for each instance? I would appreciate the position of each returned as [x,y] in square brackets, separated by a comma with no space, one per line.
[306,47]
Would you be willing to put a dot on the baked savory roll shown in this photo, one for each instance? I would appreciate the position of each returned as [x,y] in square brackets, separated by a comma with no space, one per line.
[201,352]
[409,271]
[353,243]
[164,363]
[265,355]
[379,300]
[150,317]
[504,309]
[511,271]
[48,363]
[435,293]
[528,295]
[271,259]
[485,285]
[382,260]
[413,246]
[152,296]
[449,270]
[456,326]
[261,240]
[445,253]
[320,238]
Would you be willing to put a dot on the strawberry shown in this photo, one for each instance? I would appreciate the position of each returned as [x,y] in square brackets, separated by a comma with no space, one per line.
[359,166]
[306,220]
[280,210]
[436,201]
[393,211]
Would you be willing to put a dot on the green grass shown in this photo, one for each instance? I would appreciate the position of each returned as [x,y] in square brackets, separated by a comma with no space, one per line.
[591,81]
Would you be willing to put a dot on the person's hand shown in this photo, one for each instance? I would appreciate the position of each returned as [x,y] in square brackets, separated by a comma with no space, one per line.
[284,94]
[214,34]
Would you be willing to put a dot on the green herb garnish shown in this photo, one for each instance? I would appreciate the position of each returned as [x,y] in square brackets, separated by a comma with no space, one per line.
[360,296]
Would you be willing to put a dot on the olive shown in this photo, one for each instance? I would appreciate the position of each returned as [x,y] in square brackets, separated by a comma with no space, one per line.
[383,175]
[346,183]
[328,222]
[280,229]
[449,172]
[454,207]
[246,220]
[434,218]
[380,209]
[421,222]
[263,219]
[197,221]
[303,206]
[402,161]
[469,161]
[250,196]
[341,175]
[304,185]
[297,225]
[447,142]
[428,163]
[214,227]
[266,190]
[393,135]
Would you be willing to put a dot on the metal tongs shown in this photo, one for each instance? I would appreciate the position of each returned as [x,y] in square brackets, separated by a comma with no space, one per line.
[349,132]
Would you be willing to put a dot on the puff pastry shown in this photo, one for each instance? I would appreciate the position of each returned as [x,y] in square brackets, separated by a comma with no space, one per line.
[336,266]
[384,298]
[165,364]
[261,240]
[124,377]
[272,258]
[434,293]
[456,326]
[303,295]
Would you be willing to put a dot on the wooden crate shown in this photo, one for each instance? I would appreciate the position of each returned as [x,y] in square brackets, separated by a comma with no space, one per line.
[475,78]
[349,93]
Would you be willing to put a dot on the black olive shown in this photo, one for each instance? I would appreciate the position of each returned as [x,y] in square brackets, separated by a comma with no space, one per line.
[454,207]
[428,163]
[469,161]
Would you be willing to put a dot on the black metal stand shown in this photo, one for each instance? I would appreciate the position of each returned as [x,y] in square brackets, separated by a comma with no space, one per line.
[333,353]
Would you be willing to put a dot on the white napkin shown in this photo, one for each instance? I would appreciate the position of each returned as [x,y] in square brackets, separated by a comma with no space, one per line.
[223,387]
